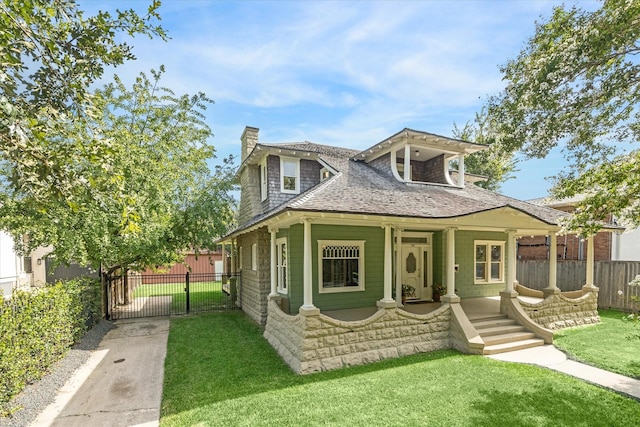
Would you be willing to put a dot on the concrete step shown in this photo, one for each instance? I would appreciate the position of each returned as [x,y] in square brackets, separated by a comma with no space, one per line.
[492,322]
[500,330]
[508,338]
[513,346]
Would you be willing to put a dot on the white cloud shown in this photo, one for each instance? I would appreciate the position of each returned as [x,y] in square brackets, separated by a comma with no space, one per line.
[348,73]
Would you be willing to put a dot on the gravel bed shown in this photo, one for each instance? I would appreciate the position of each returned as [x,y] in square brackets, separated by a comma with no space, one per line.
[37,396]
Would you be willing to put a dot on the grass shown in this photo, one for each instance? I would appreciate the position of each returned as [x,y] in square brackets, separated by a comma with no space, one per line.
[220,371]
[605,345]
[203,295]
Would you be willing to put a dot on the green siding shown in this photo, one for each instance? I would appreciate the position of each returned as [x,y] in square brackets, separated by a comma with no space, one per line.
[373,264]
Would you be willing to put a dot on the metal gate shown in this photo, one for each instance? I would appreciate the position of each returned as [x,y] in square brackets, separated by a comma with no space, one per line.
[136,295]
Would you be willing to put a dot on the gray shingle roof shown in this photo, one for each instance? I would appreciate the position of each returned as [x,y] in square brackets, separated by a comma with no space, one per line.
[362,189]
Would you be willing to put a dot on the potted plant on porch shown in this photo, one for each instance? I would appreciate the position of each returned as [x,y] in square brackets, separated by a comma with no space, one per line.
[438,291]
[407,291]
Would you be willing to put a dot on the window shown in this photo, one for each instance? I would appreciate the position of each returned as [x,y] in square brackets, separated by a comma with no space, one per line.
[289,175]
[254,257]
[341,265]
[324,174]
[281,264]
[26,263]
[263,180]
[489,261]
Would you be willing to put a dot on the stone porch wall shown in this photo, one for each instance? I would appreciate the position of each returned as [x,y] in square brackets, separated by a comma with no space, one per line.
[561,310]
[317,343]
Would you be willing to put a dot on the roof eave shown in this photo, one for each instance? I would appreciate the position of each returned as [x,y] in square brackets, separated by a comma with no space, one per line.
[431,140]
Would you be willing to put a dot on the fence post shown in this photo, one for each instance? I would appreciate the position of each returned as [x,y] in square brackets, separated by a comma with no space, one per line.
[186,289]
[106,295]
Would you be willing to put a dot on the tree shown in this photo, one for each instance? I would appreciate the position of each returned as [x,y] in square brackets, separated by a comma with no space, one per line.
[576,85]
[151,196]
[50,55]
[494,163]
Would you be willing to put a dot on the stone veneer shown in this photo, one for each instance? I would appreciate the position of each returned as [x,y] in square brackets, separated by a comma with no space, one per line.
[314,343]
[255,284]
[559,311]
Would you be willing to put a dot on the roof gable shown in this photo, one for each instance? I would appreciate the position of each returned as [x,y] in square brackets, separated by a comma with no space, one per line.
[428,144]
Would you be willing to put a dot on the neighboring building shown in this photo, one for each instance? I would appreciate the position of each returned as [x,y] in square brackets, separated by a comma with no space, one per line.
[608,246]
[12,270]
[201,267]
[328,234]
[626,246]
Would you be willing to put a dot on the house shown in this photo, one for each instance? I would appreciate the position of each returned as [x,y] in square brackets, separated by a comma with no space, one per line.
[12,270]
[618,246]
[327,236]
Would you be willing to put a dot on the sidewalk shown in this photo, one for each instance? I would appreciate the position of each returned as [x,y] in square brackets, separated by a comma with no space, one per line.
[550,357]
[121,383]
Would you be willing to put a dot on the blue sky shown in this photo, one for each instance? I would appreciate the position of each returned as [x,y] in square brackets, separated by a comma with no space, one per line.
[341,73]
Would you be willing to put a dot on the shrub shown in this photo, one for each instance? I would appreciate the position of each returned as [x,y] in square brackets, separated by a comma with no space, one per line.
[38,327]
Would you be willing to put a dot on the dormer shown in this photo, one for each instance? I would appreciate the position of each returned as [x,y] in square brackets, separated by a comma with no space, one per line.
[420,157]
[271,174]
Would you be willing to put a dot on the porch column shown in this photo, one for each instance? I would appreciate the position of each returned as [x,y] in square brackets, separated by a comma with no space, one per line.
[307,307]
[461,170]
[407,163]
[451,296]
[399,267]
[274,257]
[224,258]
[233,257]
[590,257]
[511,260]
[553,266]
[387,301]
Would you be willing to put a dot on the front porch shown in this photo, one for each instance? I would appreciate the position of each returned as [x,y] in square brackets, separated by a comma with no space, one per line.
[314,341]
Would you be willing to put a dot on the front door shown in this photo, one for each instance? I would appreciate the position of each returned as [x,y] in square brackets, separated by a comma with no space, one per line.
[415,264]
[412,269]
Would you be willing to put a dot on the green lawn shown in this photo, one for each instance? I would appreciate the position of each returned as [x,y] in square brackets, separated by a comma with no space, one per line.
[604,345]
[220,371]
[203,295]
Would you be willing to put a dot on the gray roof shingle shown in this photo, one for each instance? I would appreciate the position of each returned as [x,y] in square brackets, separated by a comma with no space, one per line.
[362,189]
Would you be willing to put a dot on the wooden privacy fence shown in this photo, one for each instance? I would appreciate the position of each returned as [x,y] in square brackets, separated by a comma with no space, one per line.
[609,276]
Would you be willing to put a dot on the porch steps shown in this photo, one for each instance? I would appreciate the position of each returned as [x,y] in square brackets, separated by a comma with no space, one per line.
[501,334]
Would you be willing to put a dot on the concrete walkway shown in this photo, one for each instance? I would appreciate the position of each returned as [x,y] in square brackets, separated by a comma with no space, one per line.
[550,357]
[121,384]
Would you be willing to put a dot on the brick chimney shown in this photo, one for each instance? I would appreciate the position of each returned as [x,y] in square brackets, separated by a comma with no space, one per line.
[249,140]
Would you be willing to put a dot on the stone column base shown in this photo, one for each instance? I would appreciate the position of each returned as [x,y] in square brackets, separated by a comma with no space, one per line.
[309,311]
[550,291]
[508,294]
[450,299]
[386,304]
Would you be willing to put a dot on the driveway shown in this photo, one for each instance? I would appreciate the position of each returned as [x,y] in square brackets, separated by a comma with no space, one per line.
[121,383]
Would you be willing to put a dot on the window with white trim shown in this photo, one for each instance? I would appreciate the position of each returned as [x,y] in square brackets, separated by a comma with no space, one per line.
[254,257]
[489,261]
[289,175]
[324,174]
[281,264]
[263,180]
[341,265]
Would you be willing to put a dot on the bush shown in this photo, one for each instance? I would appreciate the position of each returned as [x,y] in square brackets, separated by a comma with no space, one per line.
[38,327]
